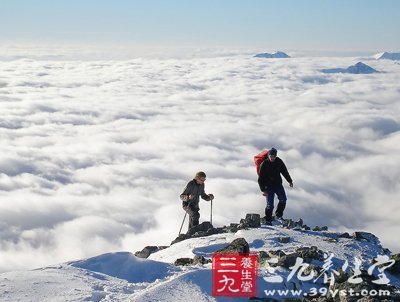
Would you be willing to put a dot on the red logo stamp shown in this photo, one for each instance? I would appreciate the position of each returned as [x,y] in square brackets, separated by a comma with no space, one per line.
[234,274]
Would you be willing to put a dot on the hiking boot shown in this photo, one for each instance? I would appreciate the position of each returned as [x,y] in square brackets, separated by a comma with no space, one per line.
[264,220]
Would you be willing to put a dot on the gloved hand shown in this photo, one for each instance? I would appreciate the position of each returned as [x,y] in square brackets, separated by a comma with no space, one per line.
[211,196]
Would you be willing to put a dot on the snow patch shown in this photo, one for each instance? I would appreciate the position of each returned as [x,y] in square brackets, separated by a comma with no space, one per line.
[125,265]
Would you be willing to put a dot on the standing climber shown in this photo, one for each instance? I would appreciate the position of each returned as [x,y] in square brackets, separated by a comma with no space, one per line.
[190,197]
[270,182]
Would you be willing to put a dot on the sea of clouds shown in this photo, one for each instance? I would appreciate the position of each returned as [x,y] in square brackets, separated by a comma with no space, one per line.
[94,154]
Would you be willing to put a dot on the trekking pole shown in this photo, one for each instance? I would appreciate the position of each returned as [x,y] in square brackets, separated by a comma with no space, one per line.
[184,217]
[211,212]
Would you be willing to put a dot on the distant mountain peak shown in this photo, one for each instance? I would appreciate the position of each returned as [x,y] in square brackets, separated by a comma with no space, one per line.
[358,68]
[387,55]
[276,55]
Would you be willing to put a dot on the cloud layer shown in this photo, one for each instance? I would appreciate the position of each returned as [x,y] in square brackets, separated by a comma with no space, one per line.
[95,153]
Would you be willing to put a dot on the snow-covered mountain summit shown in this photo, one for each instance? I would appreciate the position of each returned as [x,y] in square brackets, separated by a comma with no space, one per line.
[276,55]
[183,272]
[359,68]
[387,55]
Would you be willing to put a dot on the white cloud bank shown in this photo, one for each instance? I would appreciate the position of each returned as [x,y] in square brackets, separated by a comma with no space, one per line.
[94,155]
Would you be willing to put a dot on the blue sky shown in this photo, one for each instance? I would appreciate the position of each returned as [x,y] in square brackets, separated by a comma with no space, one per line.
[283,24]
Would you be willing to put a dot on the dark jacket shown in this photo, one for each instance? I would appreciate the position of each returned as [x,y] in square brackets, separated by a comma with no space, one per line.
[270,173]
[193,188]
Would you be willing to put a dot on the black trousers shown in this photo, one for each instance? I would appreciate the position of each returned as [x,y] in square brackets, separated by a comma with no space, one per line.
[280,192]
[194,216]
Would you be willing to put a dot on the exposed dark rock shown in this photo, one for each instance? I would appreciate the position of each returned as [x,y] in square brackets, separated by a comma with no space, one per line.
[345,235]
[342,276]
[310,253]
[312,270]
[189,261]
[316,299]
[233,228]
[277,253]
[287,260]
[257,299]
[289,223]
[318,228]
[223,229]
[145,252]
[395,269]
[299,223]
[365,236]
[238,245]
[200,260]
[260,299]
[251,221]
[366,286]
[262,257]
[183,261]
[202,227]
[284,239]
[333,240]
[263,220]
[181,237]
[207,233]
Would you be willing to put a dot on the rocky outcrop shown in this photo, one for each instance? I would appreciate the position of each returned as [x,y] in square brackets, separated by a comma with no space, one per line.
[365,236]
[201,230]
[148,250]
[255,221]
[251,221]
[308,254]
[395,269]
[365,286]
[238,245]
[191,261]
[284,239]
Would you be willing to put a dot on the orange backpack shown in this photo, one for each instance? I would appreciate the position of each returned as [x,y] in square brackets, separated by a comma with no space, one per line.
[259,158]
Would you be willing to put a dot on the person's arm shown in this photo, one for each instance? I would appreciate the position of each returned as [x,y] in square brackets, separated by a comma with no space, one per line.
[205,196]
[286,174]
[186,192]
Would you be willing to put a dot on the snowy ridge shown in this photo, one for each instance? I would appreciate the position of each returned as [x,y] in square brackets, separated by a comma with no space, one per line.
[123,277]
[387,55]
[359,68]
[276,55]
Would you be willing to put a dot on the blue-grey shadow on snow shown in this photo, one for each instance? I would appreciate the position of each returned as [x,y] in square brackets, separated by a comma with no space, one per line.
[256,244]
[125,265]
